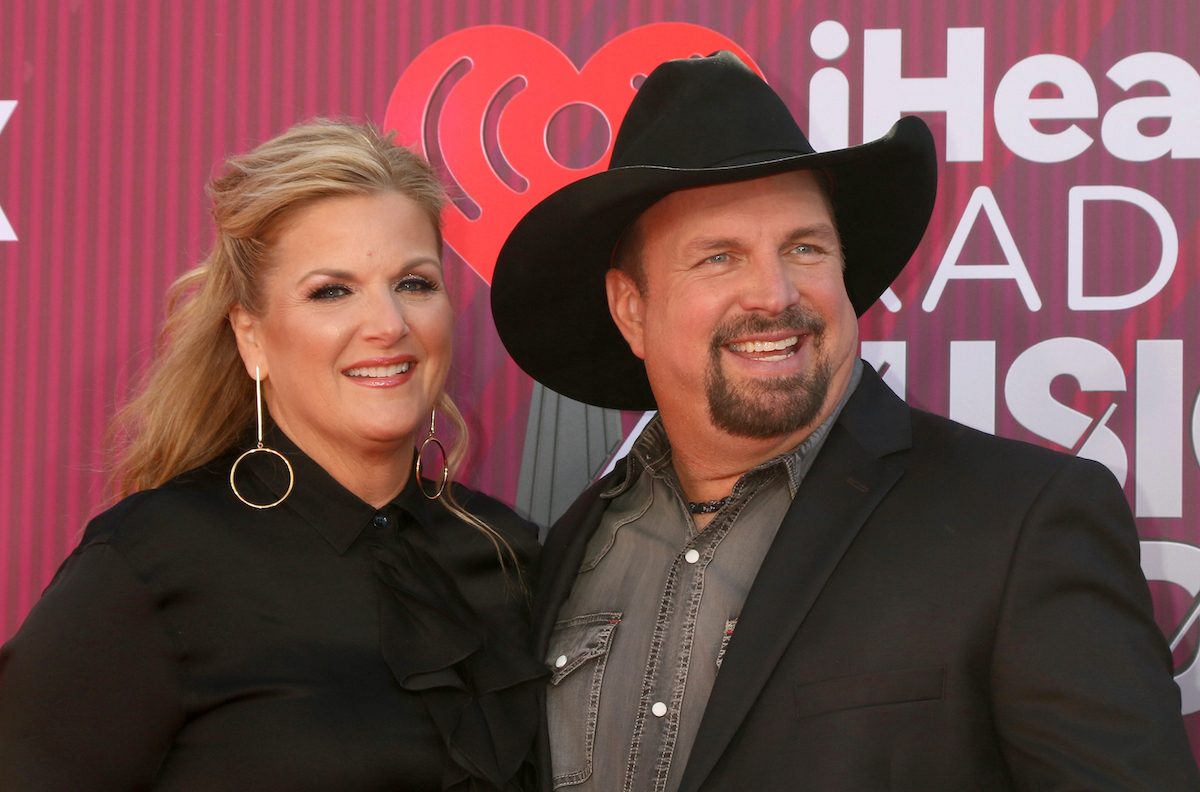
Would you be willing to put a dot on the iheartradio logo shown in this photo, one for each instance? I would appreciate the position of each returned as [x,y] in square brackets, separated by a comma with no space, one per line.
[507,118]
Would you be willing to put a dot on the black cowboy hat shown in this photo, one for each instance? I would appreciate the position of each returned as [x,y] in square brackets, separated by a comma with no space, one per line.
[694,122]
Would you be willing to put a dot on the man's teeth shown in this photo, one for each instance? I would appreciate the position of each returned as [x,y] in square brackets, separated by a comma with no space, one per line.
[764,346]
[380,371]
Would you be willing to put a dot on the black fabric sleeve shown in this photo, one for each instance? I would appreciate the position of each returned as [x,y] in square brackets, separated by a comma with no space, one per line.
[1082,690]
[90,697]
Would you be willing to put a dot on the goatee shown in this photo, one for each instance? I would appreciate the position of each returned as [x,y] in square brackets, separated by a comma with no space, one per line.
[765,408]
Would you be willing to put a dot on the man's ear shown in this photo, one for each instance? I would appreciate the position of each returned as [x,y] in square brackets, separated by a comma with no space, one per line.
[627,306]
[245,328]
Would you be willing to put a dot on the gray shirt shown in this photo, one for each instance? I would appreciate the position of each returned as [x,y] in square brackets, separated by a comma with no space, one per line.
[640,640]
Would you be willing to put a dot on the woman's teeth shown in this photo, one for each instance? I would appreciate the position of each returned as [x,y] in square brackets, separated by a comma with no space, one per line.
[764,346]
[380,371]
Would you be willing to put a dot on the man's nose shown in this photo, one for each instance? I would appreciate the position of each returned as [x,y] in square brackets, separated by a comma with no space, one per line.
[767,285]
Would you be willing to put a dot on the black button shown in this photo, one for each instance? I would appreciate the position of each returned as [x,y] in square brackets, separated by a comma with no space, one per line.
[380,521]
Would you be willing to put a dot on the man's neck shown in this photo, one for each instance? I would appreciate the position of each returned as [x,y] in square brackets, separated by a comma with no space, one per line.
[709,461]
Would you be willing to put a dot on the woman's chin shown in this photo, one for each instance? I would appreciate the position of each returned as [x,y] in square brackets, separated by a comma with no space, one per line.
[366,439]
[399,437]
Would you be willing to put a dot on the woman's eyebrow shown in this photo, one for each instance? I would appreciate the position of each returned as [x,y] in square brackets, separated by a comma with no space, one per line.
[331,273]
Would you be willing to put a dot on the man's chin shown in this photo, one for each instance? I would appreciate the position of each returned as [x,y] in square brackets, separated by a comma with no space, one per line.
[762,410]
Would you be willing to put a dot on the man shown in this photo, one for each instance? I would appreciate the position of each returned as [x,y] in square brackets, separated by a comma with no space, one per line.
[796,581]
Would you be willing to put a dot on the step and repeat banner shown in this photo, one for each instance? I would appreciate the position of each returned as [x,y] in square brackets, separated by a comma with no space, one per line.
[1054,298]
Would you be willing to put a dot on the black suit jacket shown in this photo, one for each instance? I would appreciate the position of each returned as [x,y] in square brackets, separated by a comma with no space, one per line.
[940,610]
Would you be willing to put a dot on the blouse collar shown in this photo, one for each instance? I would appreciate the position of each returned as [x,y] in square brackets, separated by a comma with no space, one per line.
[317,497]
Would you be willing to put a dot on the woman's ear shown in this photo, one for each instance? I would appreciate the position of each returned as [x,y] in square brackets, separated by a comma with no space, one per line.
[245,330]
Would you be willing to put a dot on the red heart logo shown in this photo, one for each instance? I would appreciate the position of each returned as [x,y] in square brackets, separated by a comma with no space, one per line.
[479,104]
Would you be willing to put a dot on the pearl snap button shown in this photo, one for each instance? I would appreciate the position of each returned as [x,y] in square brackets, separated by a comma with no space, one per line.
[659,709]
[561,661]
[692,556]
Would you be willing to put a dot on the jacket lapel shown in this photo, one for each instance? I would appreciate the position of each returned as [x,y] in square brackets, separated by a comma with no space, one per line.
[847,481]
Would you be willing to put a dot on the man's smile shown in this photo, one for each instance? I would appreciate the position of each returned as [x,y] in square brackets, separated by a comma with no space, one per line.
[768,351]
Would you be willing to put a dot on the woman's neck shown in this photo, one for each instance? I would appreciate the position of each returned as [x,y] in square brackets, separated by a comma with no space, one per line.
[376,472]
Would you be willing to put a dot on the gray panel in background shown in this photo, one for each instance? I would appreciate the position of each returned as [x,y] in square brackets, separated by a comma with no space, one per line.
[567,444]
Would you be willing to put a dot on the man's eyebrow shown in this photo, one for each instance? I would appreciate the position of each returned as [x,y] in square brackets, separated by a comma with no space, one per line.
[823,231]
[705,244]
[820,230]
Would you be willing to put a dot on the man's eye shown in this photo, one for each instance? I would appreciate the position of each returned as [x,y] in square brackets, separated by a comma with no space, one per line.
[720,258]
[805,250]
[330,292]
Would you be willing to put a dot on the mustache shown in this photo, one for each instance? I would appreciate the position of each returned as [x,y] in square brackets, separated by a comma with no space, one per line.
[793,318]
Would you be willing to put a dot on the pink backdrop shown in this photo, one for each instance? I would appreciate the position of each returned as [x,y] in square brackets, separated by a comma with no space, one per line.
[1054,298]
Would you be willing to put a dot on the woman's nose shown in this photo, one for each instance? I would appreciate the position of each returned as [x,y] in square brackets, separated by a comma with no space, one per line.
[384,317]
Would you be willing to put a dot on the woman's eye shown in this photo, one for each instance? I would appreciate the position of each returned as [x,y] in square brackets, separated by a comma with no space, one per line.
[330,292]
[415,284]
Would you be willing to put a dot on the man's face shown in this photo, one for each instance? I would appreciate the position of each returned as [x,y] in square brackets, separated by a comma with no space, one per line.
[743,318]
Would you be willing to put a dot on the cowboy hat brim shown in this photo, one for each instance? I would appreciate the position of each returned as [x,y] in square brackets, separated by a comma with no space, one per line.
[548,294]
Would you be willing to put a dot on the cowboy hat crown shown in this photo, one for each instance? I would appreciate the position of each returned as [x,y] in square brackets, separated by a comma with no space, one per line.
[679,121]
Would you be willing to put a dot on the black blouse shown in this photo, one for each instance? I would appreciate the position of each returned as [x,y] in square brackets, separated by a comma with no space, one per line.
[193,643]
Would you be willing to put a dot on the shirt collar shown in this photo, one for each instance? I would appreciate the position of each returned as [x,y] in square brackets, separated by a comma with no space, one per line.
[319,499]
[652,450]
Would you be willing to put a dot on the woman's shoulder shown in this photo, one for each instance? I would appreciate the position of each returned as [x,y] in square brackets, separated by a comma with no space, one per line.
[519,532]
[163,513]
[498,514]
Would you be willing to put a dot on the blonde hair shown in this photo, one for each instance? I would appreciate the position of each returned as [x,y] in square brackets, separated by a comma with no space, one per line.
[197,401]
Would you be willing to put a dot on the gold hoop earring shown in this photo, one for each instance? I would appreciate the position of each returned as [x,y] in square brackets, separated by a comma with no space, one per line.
[261,449]
[445,463]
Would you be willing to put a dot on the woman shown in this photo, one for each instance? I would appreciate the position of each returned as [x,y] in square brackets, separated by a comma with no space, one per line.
[297,609]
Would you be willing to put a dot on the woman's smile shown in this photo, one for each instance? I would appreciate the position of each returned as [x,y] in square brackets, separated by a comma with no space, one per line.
[381,373]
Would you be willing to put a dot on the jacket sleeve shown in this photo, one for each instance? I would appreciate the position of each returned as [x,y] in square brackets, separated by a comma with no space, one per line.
[89,690]
[1082,689]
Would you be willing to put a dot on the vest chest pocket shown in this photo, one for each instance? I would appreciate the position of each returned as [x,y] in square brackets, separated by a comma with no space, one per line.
[576,658]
